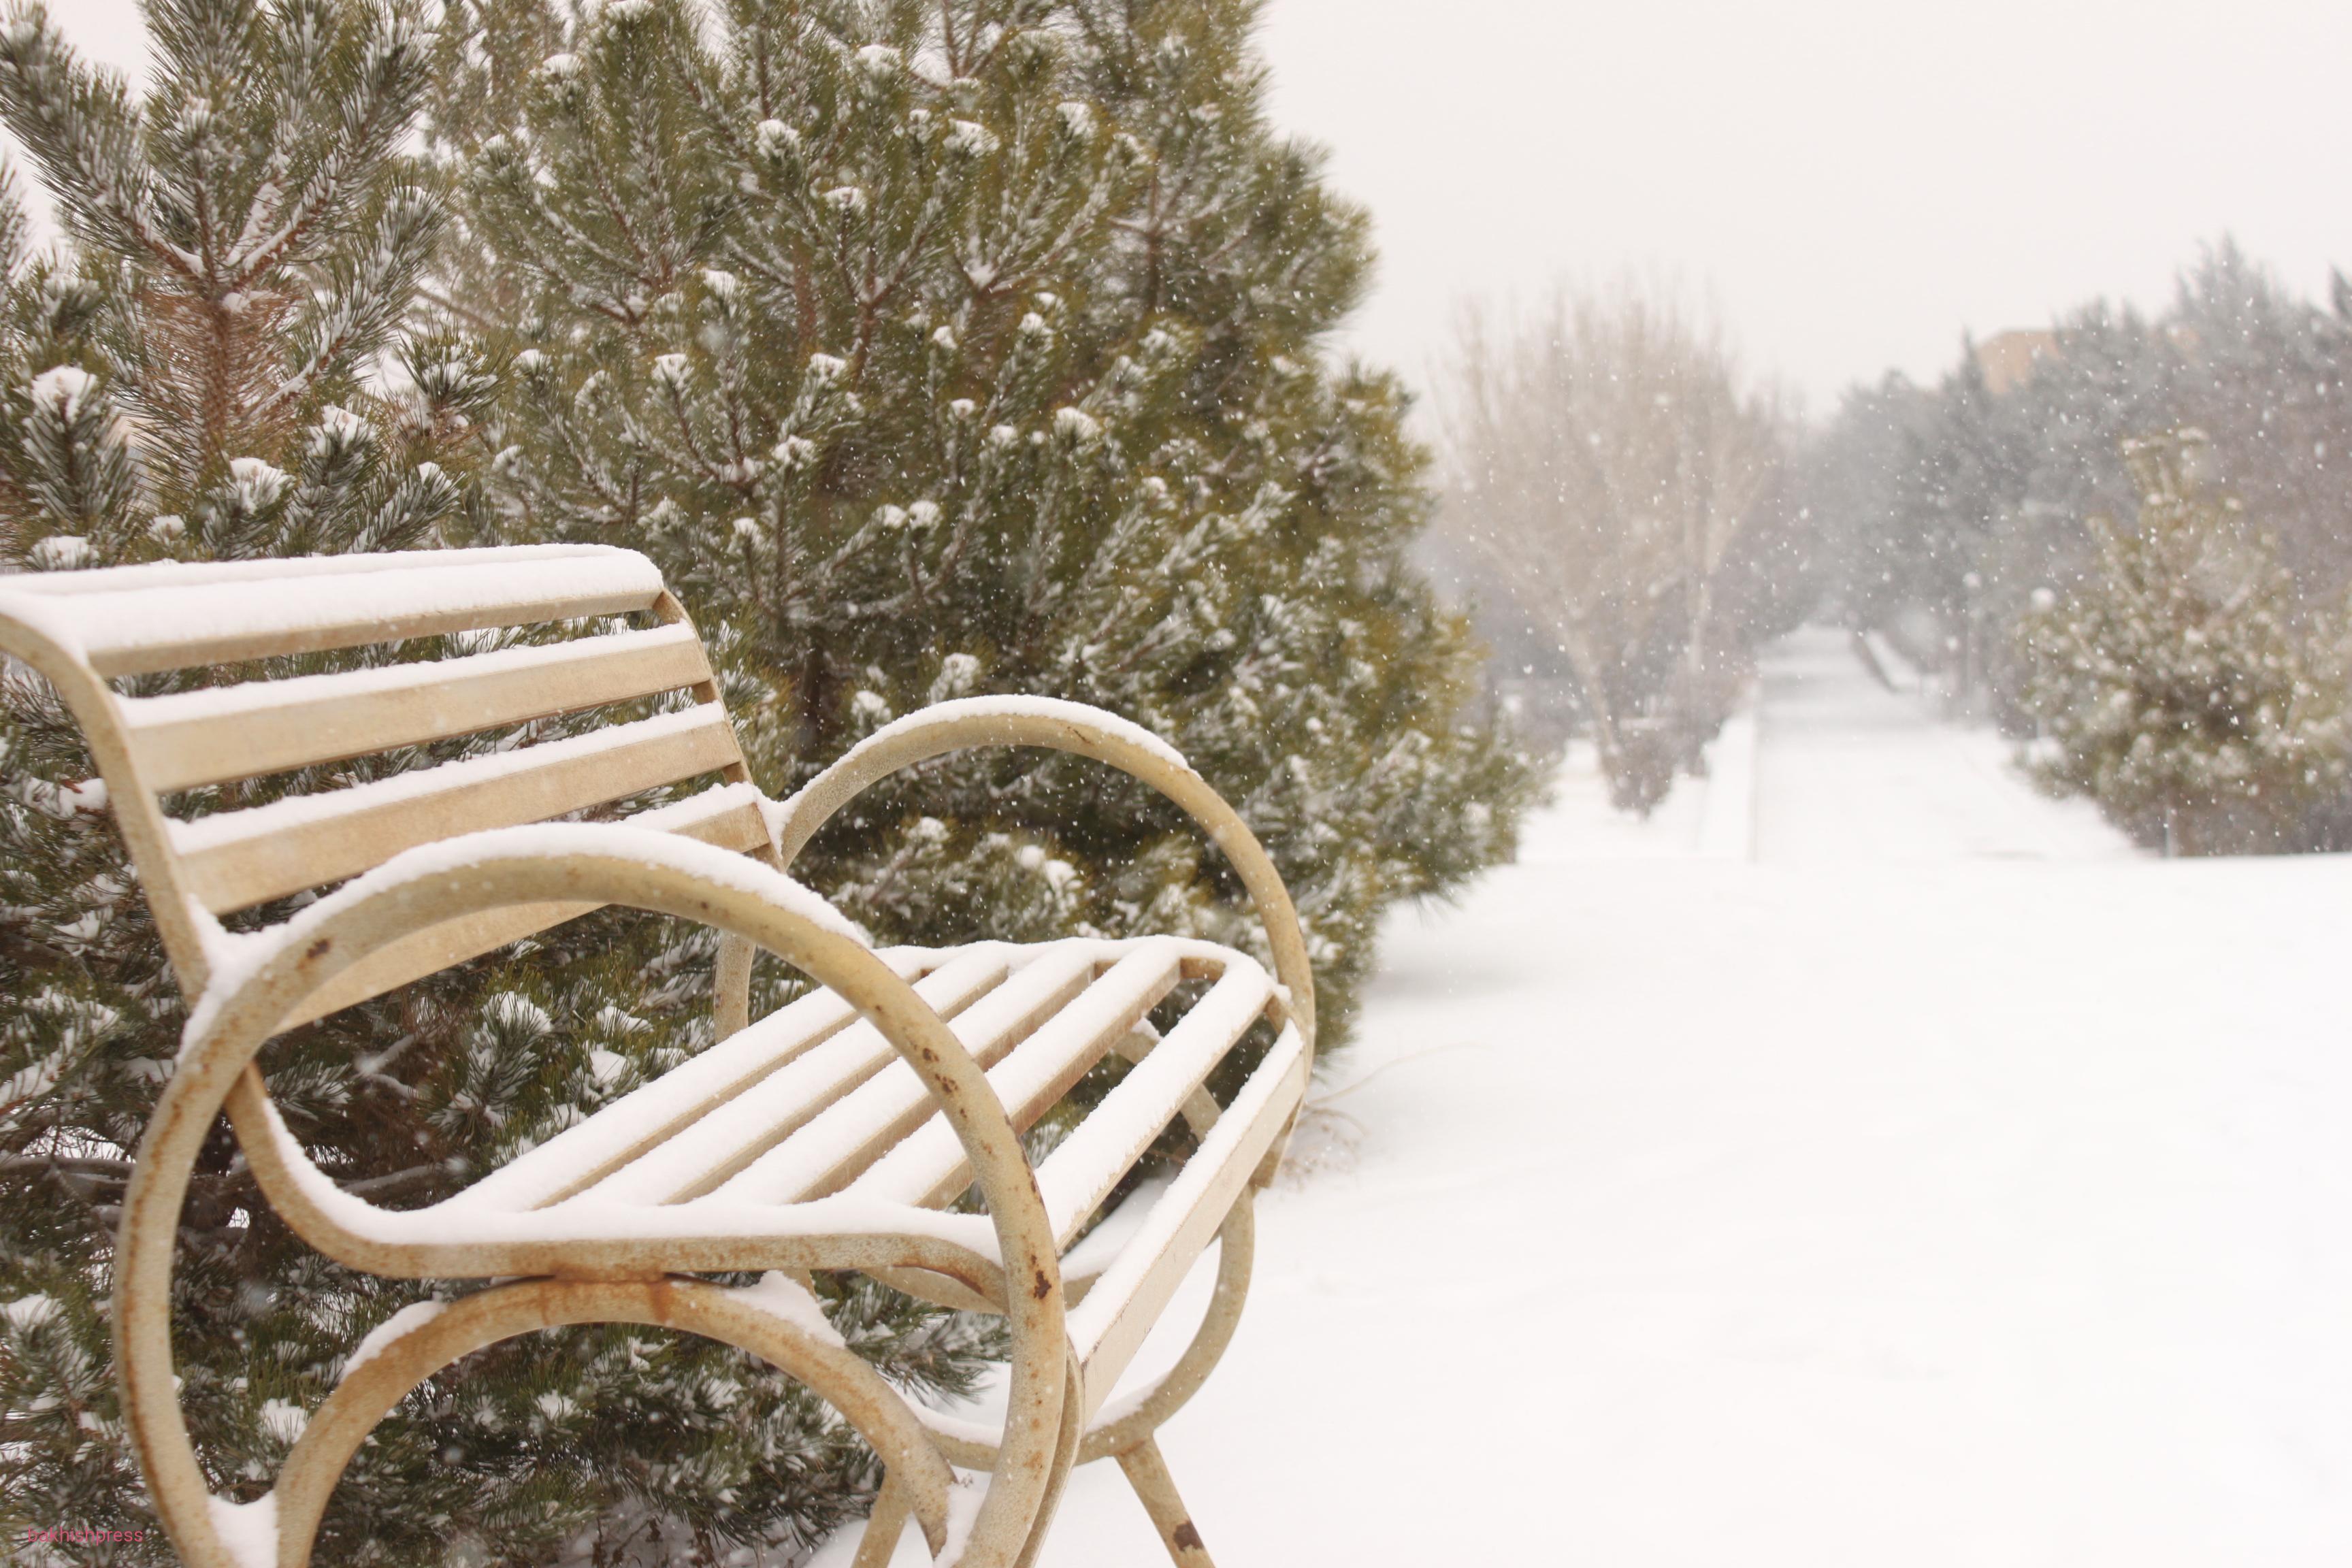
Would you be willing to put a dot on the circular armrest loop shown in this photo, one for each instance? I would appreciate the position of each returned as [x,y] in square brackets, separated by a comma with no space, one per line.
[571,863]
[973,722]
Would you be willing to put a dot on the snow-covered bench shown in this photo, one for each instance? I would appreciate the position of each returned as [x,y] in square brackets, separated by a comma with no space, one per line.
[831,1134]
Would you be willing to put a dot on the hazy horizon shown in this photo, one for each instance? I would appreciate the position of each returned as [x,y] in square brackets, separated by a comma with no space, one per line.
[1851,193]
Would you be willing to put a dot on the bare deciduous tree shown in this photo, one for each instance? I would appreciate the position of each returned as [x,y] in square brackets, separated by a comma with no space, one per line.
[1604,460]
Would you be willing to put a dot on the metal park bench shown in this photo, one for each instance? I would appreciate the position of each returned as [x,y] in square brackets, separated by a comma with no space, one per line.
[836,1134]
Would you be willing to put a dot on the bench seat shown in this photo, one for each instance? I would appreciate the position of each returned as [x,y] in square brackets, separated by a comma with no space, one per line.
[809,1126]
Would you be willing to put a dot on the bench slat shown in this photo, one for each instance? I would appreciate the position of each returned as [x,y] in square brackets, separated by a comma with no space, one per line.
[836,1147]
[238,859]
[198,573]
[747,1127]
[854,1080]
[685,1098]
[140,630]
[433,949]
[1108,1327]
[1088,1164]
[266,727]
[929,1167]
[728,816]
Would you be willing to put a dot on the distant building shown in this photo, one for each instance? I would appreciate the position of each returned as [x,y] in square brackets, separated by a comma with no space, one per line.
[2006,360]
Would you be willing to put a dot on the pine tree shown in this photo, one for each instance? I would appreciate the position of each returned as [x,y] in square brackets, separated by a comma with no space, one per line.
[227,361]
[188,376]
[977,347]
[245,241]
[2177,686]
[2267,383]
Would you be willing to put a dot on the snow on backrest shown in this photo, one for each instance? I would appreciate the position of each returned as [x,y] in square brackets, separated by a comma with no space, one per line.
[132,620]
[332,712]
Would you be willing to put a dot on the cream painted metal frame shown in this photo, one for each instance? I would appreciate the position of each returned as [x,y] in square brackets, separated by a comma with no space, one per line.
[830,1135]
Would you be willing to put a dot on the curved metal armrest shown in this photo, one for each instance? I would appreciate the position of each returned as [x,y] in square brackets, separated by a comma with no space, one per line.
[973,722]
[266,977]
[250,1000]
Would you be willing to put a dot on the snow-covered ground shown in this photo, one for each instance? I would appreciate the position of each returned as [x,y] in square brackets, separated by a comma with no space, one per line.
[1865,1162]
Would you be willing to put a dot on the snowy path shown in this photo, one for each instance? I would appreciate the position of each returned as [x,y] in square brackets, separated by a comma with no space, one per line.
[1885,1198]
[1850,771]
[1831,766]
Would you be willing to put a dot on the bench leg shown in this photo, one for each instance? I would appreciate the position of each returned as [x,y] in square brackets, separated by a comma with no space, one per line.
[1146,1472]
[884,1524]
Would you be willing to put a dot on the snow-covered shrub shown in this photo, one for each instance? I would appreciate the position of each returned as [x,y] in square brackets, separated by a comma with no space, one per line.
[997,371]
[2176,684]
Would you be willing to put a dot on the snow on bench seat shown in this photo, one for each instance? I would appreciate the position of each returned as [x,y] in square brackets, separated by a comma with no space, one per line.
[1081,1173]
[929,1167]
[534,1240]
[810,1108]
[689,1093]
[970,992]
[1108,1327]
[776,1111]
[842,1143]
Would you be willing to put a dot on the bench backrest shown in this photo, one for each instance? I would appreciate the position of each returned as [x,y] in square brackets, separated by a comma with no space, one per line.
[626,640]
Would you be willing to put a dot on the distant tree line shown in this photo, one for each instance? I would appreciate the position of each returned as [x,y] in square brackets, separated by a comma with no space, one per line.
[2132,550]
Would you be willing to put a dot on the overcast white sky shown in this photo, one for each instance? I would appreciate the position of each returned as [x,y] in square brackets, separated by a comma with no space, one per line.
[1853,181]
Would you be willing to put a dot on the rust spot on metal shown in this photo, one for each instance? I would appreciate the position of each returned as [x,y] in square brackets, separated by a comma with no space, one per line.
[317,948]
[1184,1538]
